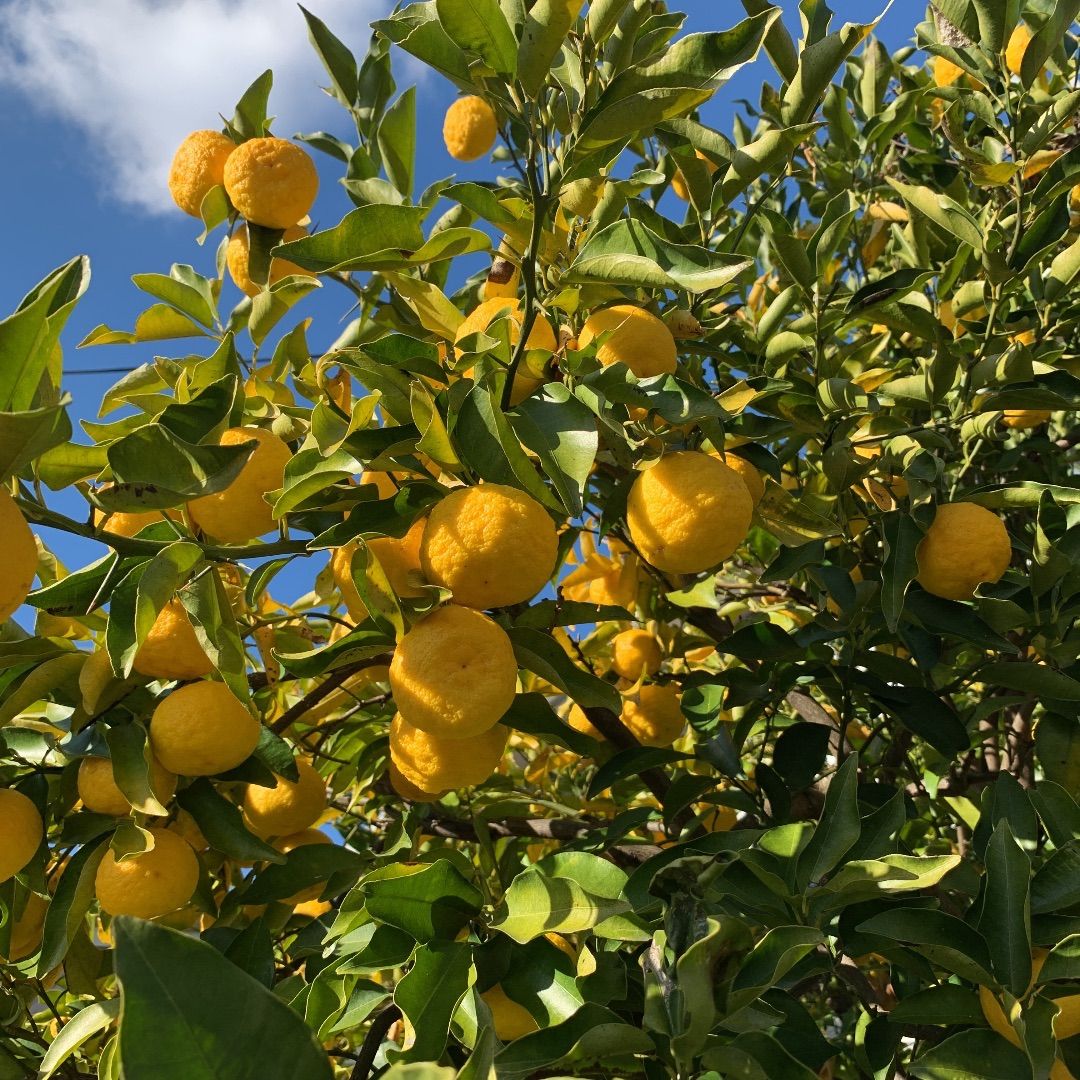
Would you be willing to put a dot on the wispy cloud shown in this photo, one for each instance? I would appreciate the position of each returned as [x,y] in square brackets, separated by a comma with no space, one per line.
[136,75]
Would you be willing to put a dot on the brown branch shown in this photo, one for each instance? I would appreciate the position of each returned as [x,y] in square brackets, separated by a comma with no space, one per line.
[316,694]
[373,1040]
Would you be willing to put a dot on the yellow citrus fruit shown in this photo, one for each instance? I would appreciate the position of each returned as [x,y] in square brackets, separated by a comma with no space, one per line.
[171,649]
[303,838]
[271,182]
[541,336]
[407,790]
[187,828]
[1019,419]
[26,933]
[577,719]
[469,128]
[99,791]
[653,715]
[945,71]
[1014,51]
[453,674]
[19,564]
[581,196]
[688,512]
[635,653]
[151,884]
[237,256]
[432,763]
[202,730]
[717,818]
[383,481]
[240,513]
[753,480]
[965,545]
[21,830]
[288,808]
[197,166]
[398,556]
[491,545]
[632,336]
[509,1019]
[128,523]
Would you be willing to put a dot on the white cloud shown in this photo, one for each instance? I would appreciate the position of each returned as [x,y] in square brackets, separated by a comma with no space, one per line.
[137,75]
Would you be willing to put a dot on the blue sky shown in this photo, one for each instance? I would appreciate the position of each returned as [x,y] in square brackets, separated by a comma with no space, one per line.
[95,95]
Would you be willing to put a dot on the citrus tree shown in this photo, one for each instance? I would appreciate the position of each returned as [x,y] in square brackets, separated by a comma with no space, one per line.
[642,643]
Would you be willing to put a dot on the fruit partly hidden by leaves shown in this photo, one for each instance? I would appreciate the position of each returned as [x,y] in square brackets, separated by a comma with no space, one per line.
[1021,419]
[201,729]
[965,545]
[21,830]
[653,714]
[1019,40]
[288,808]
[490,544]
[453,675]
[630,335]
[150,884]
[398,556]
[581,196]
[131,522]
[433,763]
[271,182]
[19,565]
[945,72]
[635,653]
[197,166]
[26,930]
[469,128]
[541,336]
[99,791]
[240,513]
[171,649]
[303,838]
[237,258]
[688,512]
[510,1020]
[678,181]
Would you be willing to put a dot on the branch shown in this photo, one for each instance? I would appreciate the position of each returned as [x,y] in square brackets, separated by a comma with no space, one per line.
[373,1040]
[336,677]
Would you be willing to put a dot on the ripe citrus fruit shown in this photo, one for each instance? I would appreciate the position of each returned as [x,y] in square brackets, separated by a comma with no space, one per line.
[577,719]
[288,808]
[271,182]
[19,564]
[491,545]
[171,649]
[688,512]
[237,258]
[1019,419]
[21,830]
[653,715]
[407,790]
[453,674]
[632,336]
[432,763]
[202,730]
[303,838]
[99,791]
[945,71]
[130,522]
[678,181]
[398,556]
[151,884]
[469,128]
[541,336]
[26,932]
[509,1019]
[965,545]
[197,166]
[240,513]
[1019,40]
[635,653]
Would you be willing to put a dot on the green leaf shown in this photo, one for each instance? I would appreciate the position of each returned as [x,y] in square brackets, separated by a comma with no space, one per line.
[942,1005]
[428,901]
[243,1031]
[130,753]
[942,211]
[902,535]
[29,335]
[249,120]
[25,436]
[397,140]
[627,252]
[429,994]
[304,867]
[838,828]
[159,322]
[336,57]
[1056,884]
[546,26]
[1031,678]
[66,914]
[480,27]
[769,961]
[192,297]
[84,1025]
[536,904]
[541,654]
[978,1054]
